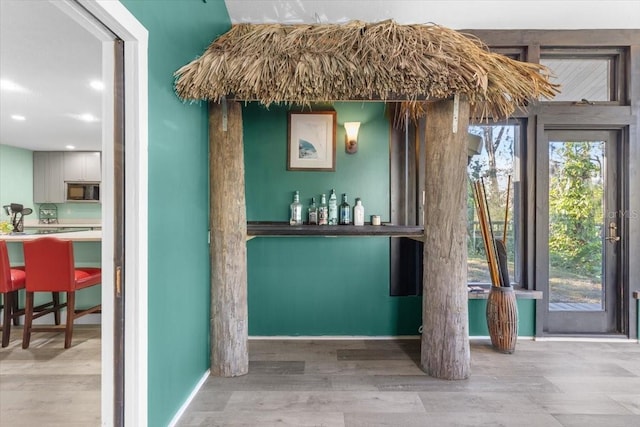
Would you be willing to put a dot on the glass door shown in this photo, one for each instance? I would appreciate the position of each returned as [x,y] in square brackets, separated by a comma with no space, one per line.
[579,232]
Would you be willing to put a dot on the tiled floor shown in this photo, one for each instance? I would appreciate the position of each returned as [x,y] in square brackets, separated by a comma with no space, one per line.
[46,385]
[378,383]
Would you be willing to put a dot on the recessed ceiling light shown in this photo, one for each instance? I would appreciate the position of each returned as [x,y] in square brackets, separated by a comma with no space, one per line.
[10,86]
[88,117]
[96,84]
[70,147]
[18,117]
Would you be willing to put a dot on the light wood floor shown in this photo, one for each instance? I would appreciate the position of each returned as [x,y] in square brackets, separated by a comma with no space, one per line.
[46,385]
[378,383]
[347,383]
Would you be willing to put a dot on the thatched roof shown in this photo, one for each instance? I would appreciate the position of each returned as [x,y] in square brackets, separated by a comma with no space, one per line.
[301,64]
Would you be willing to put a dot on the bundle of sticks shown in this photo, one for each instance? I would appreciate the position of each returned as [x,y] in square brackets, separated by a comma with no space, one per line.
[495,249]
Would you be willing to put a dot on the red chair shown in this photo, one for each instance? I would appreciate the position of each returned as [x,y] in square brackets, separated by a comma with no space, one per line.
[49,265]
[11,281]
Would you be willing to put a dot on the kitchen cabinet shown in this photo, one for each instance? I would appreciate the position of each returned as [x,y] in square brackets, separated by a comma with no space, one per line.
[48,177]
[82,166]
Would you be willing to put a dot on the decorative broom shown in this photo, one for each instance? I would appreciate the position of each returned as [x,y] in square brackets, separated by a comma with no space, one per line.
[495,249]
[502,308]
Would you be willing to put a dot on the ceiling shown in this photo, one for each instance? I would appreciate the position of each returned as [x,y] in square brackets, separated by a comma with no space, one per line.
[53,58]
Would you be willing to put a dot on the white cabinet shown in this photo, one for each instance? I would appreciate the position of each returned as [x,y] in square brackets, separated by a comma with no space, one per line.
[48,177]
[82,166]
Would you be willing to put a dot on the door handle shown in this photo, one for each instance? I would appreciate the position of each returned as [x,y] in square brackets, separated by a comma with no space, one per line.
[118,282]
[613,232]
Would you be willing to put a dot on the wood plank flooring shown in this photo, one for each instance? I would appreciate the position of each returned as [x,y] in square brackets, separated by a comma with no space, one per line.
[346,383]
[378,383]
[46,385]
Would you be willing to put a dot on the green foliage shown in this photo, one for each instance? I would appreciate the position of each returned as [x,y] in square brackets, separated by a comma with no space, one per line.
[575,207]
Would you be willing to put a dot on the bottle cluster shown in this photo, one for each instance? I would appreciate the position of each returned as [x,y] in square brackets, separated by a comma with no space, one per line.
[327,212]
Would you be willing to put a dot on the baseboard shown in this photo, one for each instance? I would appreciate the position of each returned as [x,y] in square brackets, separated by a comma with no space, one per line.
[358,337]
[185,405]
[592,338]
[485,338]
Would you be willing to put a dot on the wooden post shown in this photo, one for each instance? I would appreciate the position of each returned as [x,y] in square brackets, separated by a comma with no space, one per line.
[445,314]
[229,315]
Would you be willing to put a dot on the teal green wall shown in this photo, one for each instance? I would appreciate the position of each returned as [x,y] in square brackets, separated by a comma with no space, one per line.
[478,319]
[328,285]
[325,286]
[179,296]
[16,177]
[269,186]
[319,285]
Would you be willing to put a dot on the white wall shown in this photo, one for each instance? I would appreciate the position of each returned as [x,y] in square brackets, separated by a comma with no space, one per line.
[479,14]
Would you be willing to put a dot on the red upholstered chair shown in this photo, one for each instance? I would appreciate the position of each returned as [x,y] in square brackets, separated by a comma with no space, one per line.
[11,281]
[49,265]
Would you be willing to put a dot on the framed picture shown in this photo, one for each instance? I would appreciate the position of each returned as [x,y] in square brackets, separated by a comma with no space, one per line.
[312,141]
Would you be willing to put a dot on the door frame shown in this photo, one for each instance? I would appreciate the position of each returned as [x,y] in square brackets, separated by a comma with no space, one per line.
[625,130]
[114,16]
[613,314]
[624,115]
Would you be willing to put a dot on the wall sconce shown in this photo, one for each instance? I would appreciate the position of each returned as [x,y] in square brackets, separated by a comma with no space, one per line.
[351,137]
[474,146]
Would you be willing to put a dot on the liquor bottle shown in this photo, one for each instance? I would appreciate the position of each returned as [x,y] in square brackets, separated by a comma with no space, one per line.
[333,208]
[358,213]
[345,211]
[296,210]
[313,212]
[323,211]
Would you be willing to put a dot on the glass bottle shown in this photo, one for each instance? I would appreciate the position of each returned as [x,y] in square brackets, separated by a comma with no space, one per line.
[358,213]
[333,208]
[323,211]
[296,210]
[345,211]
[313,212]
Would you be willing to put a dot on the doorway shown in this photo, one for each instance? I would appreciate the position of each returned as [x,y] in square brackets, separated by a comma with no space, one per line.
[124,373]
[579,231]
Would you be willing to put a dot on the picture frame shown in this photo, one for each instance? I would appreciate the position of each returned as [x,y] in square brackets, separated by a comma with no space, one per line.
[311,141]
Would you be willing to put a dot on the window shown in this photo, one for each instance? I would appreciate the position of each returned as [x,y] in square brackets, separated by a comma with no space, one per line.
[585,76]
[494,162]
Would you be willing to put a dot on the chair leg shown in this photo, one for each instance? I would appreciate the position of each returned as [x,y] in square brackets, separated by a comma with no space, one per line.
[15,308]
[7,318]
[56,303]
[28,320]
[71,311]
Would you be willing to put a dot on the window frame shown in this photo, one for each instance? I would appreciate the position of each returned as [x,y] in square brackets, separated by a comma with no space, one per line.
[617,65]
[623,114]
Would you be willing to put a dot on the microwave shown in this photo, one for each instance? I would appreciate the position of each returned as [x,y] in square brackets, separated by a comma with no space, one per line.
[82,192]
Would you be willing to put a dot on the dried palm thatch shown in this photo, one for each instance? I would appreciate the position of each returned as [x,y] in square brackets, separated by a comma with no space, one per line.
[301,64]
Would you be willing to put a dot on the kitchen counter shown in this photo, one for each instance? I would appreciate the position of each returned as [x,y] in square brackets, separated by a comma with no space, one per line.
[92,224]
[75,236]
[65,225]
